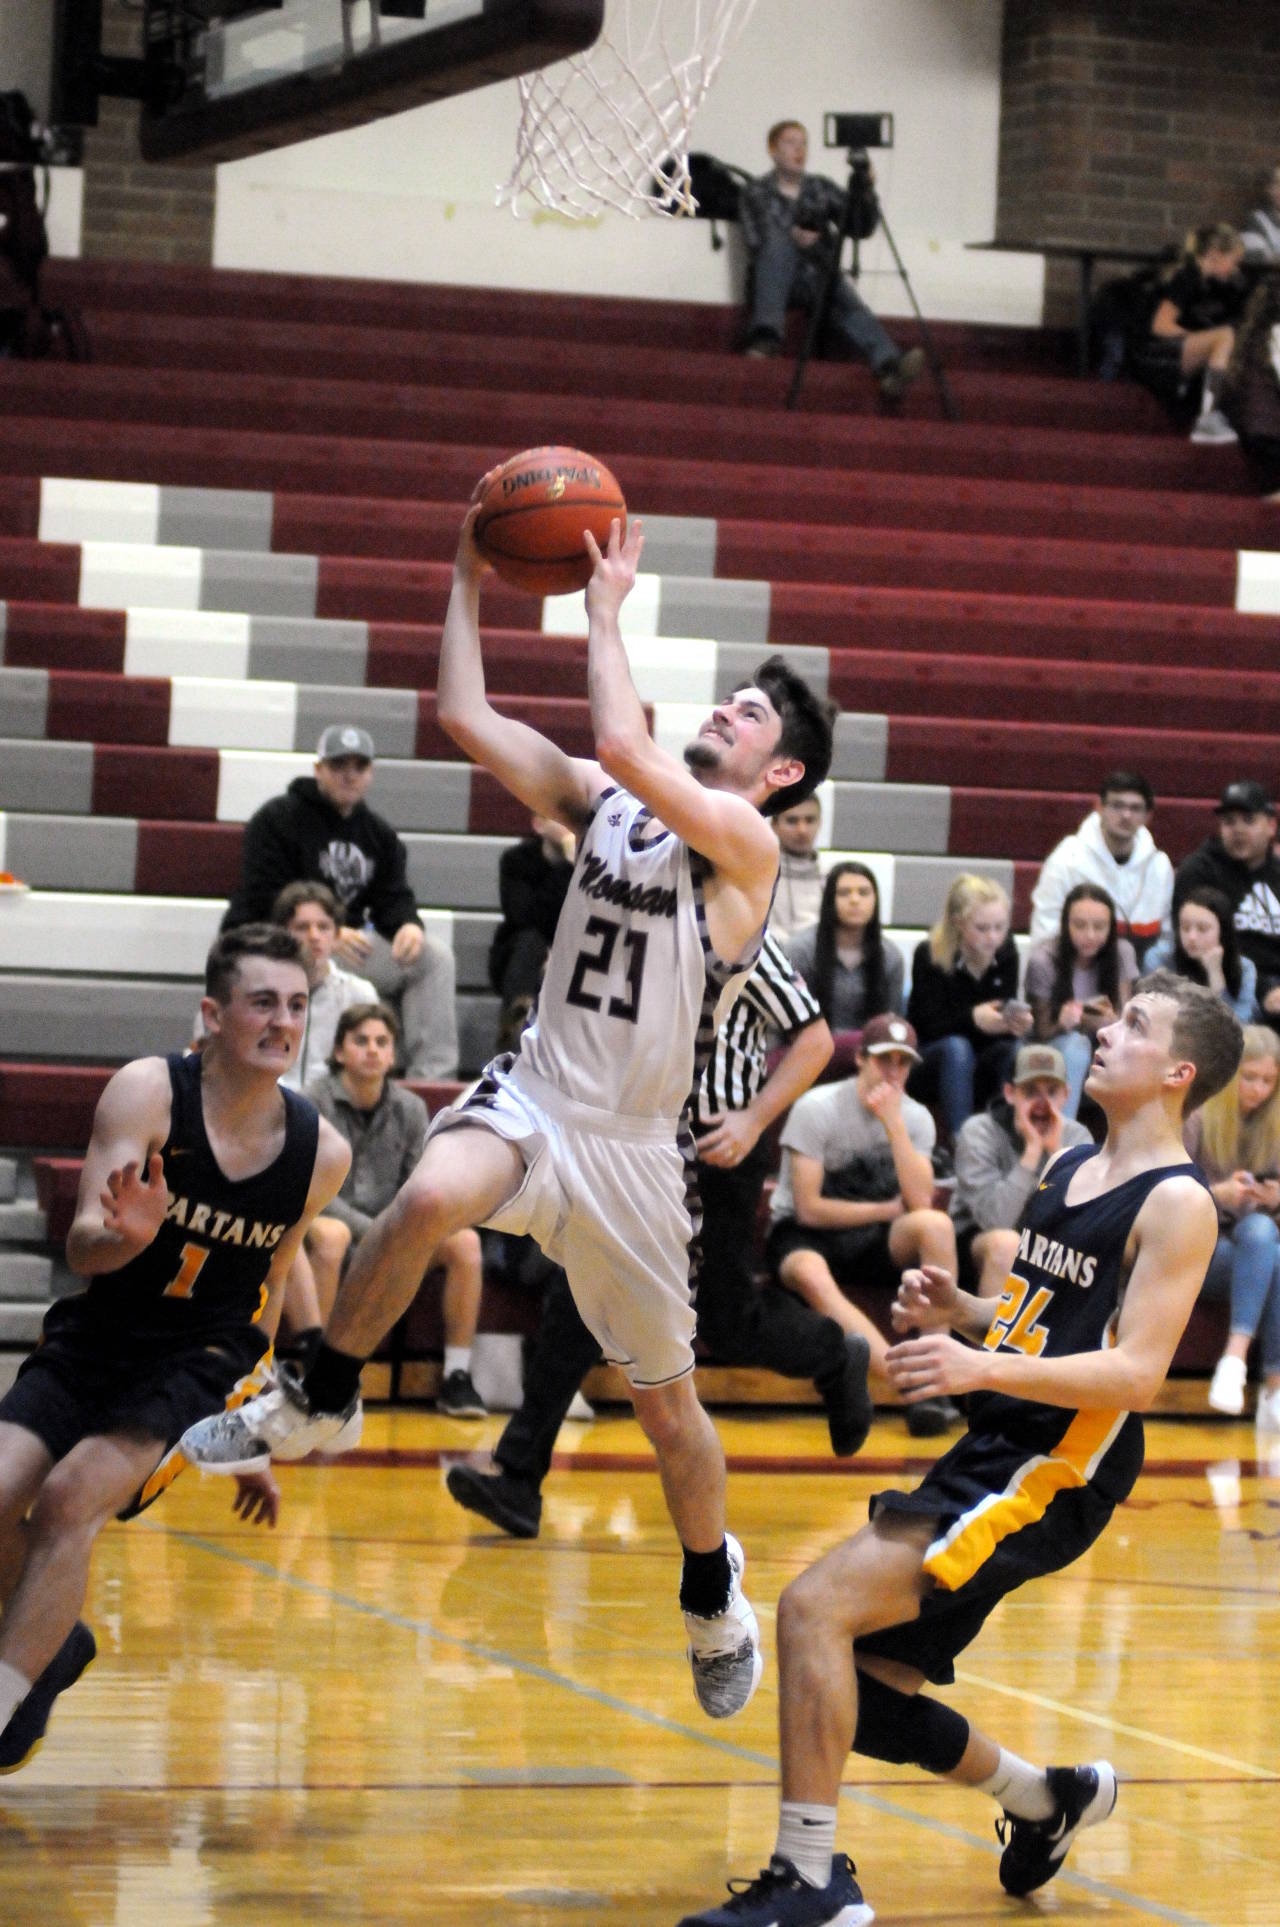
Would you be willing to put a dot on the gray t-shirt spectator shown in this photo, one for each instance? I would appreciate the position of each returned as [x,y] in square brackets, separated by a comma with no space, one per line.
[992,1183]
[834,1126]
[849,1009]
[386,1144]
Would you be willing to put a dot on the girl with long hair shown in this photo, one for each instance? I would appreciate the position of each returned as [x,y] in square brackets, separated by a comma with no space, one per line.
[1080,980]
[1205,948]
[964,1000]
[1235,1139]
[844,958]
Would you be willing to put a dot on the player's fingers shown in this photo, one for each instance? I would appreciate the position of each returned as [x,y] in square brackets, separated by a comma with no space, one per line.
[155,1168]
[593,547]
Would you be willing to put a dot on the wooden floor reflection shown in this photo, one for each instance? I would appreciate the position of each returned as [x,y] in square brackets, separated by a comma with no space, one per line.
[383,1713]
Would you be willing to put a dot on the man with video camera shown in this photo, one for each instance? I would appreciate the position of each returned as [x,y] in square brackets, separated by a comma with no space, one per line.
[792,223]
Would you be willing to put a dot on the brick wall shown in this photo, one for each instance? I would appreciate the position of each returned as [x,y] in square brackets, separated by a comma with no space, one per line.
[1127,121]
[133,209]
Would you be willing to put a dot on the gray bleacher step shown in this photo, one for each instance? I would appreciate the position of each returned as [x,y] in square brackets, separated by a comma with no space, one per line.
[10,1363]
[22,1222]
[8,1180]
[25,1276]
[20,1322]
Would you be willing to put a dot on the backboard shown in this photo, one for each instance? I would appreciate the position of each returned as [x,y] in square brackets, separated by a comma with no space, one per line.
[226,78]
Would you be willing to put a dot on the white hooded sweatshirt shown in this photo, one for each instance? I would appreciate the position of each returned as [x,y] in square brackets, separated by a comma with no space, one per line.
[1141,889]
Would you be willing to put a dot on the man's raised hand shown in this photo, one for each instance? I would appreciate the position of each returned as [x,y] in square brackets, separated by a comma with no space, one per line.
[133,1208]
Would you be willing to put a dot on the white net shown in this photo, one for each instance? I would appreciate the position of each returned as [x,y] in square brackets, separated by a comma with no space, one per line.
[610,127]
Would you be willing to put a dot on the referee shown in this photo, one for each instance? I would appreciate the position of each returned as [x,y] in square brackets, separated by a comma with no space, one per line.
[736,1101]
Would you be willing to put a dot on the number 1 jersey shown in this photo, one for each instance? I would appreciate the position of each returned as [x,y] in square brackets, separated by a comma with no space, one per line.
[627,1012]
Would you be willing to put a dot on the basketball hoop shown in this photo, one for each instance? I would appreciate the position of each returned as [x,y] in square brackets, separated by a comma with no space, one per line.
[610,127]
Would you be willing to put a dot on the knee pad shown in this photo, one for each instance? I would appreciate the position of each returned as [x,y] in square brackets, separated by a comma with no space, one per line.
[908,1729]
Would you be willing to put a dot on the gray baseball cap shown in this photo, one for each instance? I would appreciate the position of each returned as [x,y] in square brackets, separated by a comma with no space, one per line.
[344,739]
[1038,1060]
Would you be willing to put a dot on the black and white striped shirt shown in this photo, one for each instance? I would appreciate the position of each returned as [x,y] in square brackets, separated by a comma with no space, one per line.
[774,998]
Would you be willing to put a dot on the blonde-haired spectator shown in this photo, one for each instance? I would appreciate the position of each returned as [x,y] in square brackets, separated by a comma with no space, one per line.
[1235,1139]
[964,1000]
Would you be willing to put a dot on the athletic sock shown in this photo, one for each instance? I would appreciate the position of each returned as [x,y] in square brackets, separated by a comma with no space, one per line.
[457,1358]
[1021,1789]
[807,1838]
[706,1583]
[333,1381]
[14,1687]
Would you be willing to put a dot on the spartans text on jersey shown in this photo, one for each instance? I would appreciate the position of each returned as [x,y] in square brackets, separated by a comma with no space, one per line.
[223,1227]
[1059,1260]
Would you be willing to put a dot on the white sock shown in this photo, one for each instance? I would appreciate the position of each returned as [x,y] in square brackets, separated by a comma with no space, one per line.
[14,1687]
[807,1838]
[457,1358]
[1021,1789]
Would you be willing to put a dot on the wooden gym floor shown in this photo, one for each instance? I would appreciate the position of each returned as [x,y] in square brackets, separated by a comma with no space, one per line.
[382,1712]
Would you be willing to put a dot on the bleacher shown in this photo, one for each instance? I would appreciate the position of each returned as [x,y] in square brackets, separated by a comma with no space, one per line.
[235,525]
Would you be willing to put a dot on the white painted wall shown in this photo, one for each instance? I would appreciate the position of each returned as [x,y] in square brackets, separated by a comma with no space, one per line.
[412,198]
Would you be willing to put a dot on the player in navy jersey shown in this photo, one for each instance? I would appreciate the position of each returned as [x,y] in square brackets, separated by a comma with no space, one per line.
[582,1139]
[1113,1250]
[200,1178]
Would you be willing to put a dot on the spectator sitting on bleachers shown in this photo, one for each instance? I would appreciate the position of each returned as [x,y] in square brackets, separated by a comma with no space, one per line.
[1251,390]
[1000,1155]
[533,881]
[1078,981]
[1205,948]
[964,1001]
[854,1199]
[322,827]
[386,1126]
[797,900]
[1241,862]
[1235,1139]
[844,958]
[1198,304]
[311,913]
[1114,848]
[1260,230]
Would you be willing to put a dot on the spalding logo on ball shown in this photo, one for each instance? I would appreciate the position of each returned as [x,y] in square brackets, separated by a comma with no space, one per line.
[533,514]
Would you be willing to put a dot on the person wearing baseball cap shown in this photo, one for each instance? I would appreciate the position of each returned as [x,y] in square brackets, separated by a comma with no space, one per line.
[853,1206]
[1240,861]
[999,1156]
[322,829]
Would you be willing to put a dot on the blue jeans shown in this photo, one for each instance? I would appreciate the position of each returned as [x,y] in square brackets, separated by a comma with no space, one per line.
[962,1077]
[1077,1052]
[1246,1265]
[782,278]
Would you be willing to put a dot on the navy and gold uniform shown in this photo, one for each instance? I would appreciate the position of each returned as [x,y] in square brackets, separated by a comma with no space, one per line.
[1030,1486]
[171,1336]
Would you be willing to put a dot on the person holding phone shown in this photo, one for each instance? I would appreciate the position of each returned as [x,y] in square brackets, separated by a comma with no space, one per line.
[1080,980]
[964,1001]
[1235,1140]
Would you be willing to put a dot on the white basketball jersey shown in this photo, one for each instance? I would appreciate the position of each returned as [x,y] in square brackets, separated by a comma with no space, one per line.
[628,1007]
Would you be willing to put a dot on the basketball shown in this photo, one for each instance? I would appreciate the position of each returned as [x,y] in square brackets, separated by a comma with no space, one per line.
[533,513]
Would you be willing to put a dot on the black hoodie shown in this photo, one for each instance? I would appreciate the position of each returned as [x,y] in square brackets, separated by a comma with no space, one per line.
[300,837]
[1254,896]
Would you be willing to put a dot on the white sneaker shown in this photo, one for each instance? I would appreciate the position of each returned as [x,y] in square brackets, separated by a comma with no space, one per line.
[724,1652]
[278,1424]
[1226,1387]
[1267,1418]
[1213,427]
[580,1410]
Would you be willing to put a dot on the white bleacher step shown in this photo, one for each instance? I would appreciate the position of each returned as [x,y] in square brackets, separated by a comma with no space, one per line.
[20,1322]
[25,1277]
[8,1180]
[22,1222]
[10,1365]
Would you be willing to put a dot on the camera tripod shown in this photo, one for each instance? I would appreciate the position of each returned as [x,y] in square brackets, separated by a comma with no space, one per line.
[857,191]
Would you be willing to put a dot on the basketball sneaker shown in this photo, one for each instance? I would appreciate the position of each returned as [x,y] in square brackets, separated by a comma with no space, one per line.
[1035,1849]
[778,1897]
[724,1651]
[25,1731]
[458,1397]
[278,1424]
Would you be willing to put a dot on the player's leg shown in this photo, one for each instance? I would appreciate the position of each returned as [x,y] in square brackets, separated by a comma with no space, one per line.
[25,1463]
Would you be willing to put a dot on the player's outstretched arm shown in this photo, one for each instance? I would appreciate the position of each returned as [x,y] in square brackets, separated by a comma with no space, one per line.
[524,761]
[723,827]
[122,1198]
[333,1161]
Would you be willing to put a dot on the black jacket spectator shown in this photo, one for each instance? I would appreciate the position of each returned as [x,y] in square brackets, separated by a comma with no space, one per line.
[301,835]
[942,1002]
[531,892]
[1254,896]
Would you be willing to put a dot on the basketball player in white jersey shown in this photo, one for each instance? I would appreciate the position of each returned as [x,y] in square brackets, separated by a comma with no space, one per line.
[581,1139]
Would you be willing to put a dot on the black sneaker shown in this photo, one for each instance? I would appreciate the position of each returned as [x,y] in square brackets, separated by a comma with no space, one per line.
[931,1417]
[848,1402]
[1035,1849]
[458,1397]
[778,1897]
[513,1505]
[22,1736]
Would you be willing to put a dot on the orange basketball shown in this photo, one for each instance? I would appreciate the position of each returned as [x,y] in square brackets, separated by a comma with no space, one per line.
[533,513]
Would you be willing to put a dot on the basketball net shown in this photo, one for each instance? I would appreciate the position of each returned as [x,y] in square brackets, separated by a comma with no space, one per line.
[610,127]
